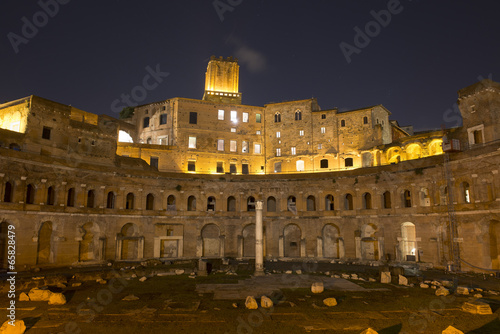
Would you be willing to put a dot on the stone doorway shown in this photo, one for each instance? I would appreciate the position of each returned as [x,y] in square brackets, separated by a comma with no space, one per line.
[495,244]
[91,246]
[44,253]
[292,241]
[210,235]
[332,242]
[130,244]
[4,245]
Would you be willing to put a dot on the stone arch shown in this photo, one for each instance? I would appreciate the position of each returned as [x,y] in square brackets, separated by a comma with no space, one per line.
[129,203]
[51,195]
[111,200]
[171,203]
[367,201]
[311,203]
[70,199]
[30,194]
[45,252]
[329,203]
[251,203]
[435,147]
[271,204]
[348,202]
[231,204]
[408,243]
[150,201]
[211,201]
[393,155]
[333,245]
[370,247]
[210,235]
[130,243]
[8,192]
[292,240]
[91,246]
[413,151]
[248,242]
[191,203]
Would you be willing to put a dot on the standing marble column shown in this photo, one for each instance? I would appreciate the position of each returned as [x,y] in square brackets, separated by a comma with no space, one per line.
[259,249]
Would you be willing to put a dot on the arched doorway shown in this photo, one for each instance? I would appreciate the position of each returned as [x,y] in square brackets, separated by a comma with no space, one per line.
[248,235]
[331,241]
[408,244]
[130,244]
[91,246]
[291,241]
[45,253]
[369,243]
[210,235]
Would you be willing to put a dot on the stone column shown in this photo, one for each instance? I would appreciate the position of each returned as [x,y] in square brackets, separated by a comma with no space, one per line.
[259,251]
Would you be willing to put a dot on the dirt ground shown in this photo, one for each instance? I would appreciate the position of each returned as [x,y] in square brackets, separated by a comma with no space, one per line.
[171,303]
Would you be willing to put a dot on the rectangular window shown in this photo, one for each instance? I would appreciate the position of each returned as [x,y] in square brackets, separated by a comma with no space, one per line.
[258,132]
[163,108]
[193,117]
[234,116]
[220,144]
[244,168]
[233,146]
[324,163]
[232,169]
[278,134]
[277,167]
[192,142]
[145,122]
[257,118]
[153,161]
[323,116]
[323,130]
[256,149]
[163,119]
[191,166]
[245,117]
[233,129]
[221,114]
[294,150]
[46,132]
[301,132]
[220,167]
[278,152]
[320,146]
[244,147]
[163,140]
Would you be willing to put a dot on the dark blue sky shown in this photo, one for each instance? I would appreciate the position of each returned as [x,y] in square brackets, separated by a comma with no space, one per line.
[90,52]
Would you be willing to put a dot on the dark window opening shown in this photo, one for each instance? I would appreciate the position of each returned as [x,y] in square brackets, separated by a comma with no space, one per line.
[244,168]
[220,167]
[7,195]
[129,204]
[191,166]
[191,204]
[150,202]
[407,199]
[110,202]
[387,200]
[211,204]
[323,163]
[277,118]
[365,120]
[342,123]
[298,115]
[153,161]
[71,197]
[46,133]
[30,194]
[90,199]
[193,117]
[251,203]
[323,116]
[145,122]
[348,205]
[163,119]
[349,162]
[232,169]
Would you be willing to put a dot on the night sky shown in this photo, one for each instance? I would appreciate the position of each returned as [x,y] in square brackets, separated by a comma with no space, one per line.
[91,52]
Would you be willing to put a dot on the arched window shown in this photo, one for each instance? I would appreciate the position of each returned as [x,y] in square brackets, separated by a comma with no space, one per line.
[251,203]
[211,203]
[171,203]
[150,202]
[191,204]
[129,204]
[231,204]
[311,203]
[149,141]
[30,194]
[348,202]
[387,200]
[110,202]
[349,162]
[277,117]
[291,204]
[466,192]
[342,123]
[90,199]
[367,201]
[51,194]
[298,115]
[271,204]
[8,192]
[145,122]
[323,163]
[329,203]
[407,199]
[365,120]
[71,197]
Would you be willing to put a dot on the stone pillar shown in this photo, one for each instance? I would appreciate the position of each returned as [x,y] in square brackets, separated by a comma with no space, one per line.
[259,250]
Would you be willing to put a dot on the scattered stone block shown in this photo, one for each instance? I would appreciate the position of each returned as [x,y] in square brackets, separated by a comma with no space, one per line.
[317,287]
[143,279]
[18,328]
[133,275]
[478,295]
[75,285]
[479,290]
[235,305]
[491,292]
[424,286]
[452,330]
[23,297]
[39,295]
[433,287]
[369,331]
[436,283]
[288,272]
[327,273]
[447,284]
[298,272]
[61,286]
[130,298]
[403,280]
[385,277]
[179,271]
[330,301]
[266,302]
[354,276]
[57,299]
[336,276]
[371,280]
[462,290]
[251,303]
[476,307]
[346,276]
[442,291]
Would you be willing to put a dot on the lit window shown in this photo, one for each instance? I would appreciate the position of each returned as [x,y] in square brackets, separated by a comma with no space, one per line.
[163,141]
[192,142]
[220,144]
[300,165]
[323,130]
[232,146]
[245,117]
[294,150]
[258,132]
[278,152]
[256,149]
[221,115]
[257,118]
[278,134]
[233,129]
[244,147]
[234,116]
[301,132]
[320,146]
